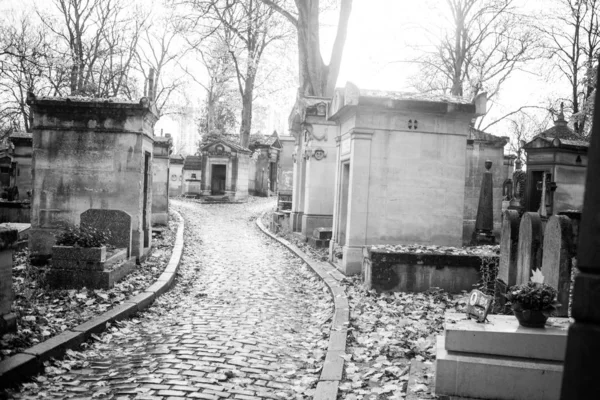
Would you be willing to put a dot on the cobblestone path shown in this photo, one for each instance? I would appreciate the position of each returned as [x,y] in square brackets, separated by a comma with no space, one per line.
[246,320]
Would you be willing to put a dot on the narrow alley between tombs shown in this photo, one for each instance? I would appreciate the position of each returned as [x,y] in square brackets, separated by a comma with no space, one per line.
[245,320]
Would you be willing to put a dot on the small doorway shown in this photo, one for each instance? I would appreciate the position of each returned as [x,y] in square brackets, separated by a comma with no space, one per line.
[273,177]
[534,195]
[343,221]
[217,180]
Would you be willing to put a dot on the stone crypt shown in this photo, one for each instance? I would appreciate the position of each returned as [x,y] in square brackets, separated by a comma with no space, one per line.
[90,154]
[400,170]
[224,170]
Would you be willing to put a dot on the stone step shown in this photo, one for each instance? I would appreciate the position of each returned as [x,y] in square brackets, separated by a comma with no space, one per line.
[322,233]
[495,377]
[503,336]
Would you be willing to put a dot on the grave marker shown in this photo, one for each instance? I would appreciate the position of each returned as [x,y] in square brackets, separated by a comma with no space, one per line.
[557,259]
[507,268]
[530,246]
[116,222]
[478,305]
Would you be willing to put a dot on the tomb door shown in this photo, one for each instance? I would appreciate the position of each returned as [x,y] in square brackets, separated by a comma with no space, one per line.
[343,206]
[273,176]
[534,195]
[218,177]
[145,224]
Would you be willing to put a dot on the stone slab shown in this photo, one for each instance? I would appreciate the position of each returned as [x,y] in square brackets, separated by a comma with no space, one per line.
[72,278]
[318,243]
[56,346]
[116,222]
[557,259]
[143,300]
[333,366]
[97,254]
[499,378]
[322,233]
[326,390]
[503,336]
[530,246]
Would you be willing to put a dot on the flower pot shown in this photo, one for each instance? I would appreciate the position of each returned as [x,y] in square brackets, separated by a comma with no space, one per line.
[531,318]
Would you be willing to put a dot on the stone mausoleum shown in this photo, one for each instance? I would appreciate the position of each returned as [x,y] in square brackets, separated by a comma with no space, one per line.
[400,170]
[160,179]
[90,154]
[176,175]
[224,170]
[561,156]
[264,165]
[314,165]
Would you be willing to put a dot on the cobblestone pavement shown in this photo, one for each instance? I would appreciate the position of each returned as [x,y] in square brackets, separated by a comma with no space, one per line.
[246,320]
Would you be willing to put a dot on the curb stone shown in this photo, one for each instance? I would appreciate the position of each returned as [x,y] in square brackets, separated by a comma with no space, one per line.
[333,366]
[29,362]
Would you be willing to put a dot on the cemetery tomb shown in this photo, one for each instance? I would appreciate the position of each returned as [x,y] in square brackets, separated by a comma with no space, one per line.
[285,179]
[224,170]
[560,155]
[263,170]
[400,170]
[192,176]
[90,153]
[314,165]
[482,146]
[176,175]
[8,240]
[160,179]
[22,152]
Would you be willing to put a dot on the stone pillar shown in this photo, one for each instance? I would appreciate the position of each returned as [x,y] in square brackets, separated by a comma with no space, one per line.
[160,180]
[581,377]
[484,224]
[530,246]
[556,261]
[356,231]
[8,238]
[509,246]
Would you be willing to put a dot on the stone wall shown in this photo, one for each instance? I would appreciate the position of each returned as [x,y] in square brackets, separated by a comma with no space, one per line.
[160,183]
[286,164]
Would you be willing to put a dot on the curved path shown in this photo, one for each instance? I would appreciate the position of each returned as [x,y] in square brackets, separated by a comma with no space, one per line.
[246,320]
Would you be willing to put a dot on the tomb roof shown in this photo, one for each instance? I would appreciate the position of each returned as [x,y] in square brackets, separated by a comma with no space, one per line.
[393,95]
[481,136]
[540,141]
[232,141]
[25,135]
[177,159]
[560,130]
[257,140]
[193,163]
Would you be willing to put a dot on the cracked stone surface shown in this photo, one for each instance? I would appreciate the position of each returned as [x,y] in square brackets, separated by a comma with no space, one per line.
[245,320]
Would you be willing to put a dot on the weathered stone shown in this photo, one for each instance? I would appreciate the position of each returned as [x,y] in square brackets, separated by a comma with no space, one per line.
[116,223]
[530,246]
[94,254]
[322,233]
[507,268]
[557,259]
[8,238]
[484,224]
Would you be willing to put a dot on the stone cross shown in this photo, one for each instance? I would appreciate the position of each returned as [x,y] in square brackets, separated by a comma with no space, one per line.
[530,246]
[556,261]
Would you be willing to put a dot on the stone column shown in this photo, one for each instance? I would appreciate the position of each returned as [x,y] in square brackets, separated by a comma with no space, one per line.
[336,198]
[358,198]
[8,238]
[484,224]
[581,377]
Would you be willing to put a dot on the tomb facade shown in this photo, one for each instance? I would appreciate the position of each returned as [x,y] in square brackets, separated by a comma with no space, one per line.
[263,168]
[90,153]
[400,170]
[314,165]
[192,175]
[224,169]
[160,179]
[176,175]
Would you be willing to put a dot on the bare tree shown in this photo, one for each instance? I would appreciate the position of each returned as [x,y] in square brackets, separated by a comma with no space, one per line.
[487,41]
[572,39]
[316,77]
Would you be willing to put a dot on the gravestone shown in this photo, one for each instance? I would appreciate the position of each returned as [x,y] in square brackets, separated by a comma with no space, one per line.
[484,223]
[557,259]
[530,246]
[507,268]
[115,222]
[8,239]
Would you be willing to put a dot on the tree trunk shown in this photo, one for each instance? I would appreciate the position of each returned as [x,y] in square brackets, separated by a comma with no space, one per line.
[246,117]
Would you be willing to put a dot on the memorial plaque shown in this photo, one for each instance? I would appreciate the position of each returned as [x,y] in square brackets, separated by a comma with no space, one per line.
[478,305]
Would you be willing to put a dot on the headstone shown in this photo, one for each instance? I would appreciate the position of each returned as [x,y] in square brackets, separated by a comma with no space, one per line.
[556,261]
[8,238]
[519,180]
[507,268]
[116,223]
[484,223]
[478,305]
[530,246]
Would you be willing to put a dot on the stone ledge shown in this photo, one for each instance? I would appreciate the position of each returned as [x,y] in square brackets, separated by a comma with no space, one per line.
[333,367]
[23,366]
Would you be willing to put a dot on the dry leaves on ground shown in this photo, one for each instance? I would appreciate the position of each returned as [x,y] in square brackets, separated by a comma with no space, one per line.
[43,313]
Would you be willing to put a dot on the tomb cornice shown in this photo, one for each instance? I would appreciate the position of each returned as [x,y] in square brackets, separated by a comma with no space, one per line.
[361,134]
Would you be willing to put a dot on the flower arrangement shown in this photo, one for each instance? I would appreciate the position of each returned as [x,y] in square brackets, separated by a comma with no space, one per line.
[533,296]
[82,237]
